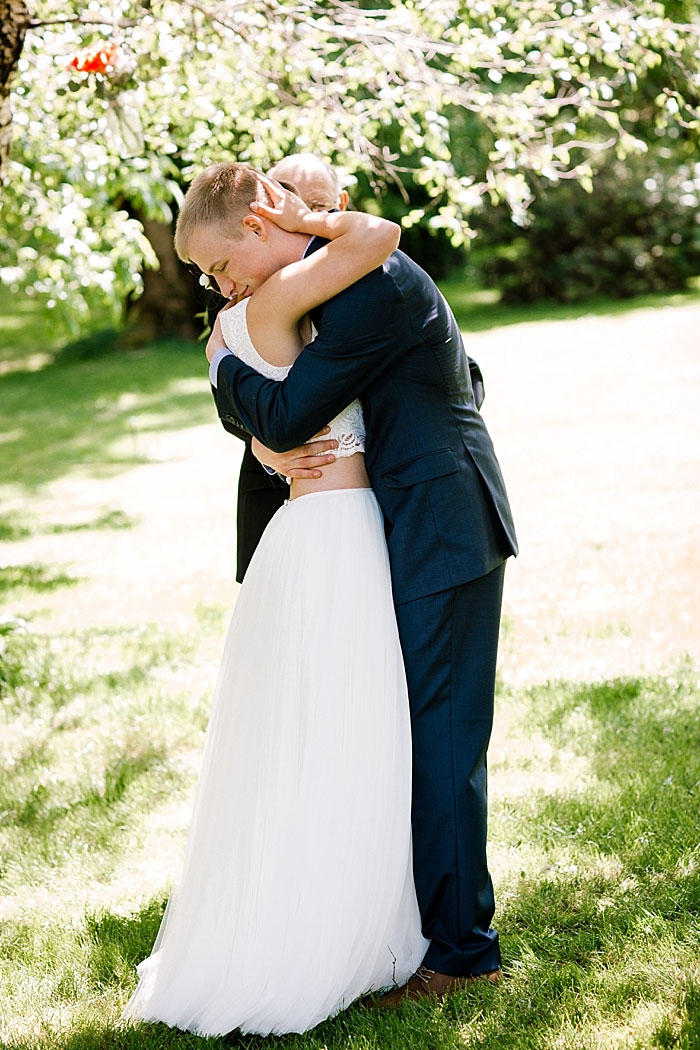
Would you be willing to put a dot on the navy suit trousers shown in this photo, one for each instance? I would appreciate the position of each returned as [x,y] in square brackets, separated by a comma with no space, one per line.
[450,642]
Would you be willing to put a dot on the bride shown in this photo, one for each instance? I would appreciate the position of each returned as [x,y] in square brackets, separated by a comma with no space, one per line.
[296,893]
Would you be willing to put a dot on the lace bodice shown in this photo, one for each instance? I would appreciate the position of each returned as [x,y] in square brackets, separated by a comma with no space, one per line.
[348,428]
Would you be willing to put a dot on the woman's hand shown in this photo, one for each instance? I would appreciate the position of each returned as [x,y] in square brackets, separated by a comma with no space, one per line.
[286,211]
[215,341]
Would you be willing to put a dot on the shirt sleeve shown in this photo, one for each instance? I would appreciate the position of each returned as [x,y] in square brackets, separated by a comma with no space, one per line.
[216,361]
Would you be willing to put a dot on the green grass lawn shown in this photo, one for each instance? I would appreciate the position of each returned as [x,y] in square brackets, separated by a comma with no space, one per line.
[595,807]
[599,909]
[79,408]
[478,309]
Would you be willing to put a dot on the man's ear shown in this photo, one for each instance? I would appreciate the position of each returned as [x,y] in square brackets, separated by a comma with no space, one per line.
[255,225]
[343,200]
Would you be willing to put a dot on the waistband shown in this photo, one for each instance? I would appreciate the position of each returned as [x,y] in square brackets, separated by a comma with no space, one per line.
[329,492]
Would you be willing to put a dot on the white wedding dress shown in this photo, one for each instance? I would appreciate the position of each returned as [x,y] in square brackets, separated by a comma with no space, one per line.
[296,894]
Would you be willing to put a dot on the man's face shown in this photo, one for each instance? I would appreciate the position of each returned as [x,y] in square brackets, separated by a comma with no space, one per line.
[237,267]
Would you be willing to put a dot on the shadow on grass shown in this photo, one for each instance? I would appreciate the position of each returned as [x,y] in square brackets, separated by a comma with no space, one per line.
[89,413]
[618,909]
[88,811]
[15,527]
[116,944]
[108,948]
[33,577]
[640,739]
[109,520]
[503,1019]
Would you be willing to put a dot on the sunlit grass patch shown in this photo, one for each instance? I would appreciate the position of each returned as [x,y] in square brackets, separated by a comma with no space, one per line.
[611,630]
[85,418]
[679,1029]
[94,739]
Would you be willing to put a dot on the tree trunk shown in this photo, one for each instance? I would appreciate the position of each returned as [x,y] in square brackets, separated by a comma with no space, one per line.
[14,19]
[170,294]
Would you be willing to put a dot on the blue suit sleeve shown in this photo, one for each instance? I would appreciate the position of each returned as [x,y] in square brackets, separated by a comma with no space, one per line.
[362,332]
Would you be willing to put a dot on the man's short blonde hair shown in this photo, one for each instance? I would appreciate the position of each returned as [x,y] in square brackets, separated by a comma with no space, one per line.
[219,196]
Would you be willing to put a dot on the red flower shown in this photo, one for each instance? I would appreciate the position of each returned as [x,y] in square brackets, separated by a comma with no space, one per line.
[96,59]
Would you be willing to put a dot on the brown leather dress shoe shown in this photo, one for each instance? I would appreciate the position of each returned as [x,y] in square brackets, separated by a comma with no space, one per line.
[426,984]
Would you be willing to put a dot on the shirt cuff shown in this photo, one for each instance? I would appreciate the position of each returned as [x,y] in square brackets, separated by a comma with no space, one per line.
[216,361]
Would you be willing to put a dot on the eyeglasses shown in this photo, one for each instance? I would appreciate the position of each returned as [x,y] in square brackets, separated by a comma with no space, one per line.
[321,205]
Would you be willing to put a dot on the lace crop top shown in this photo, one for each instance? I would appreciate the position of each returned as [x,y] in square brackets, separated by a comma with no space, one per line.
[348,428]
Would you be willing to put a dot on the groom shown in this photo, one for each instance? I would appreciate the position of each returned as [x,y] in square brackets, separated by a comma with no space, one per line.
[391,340]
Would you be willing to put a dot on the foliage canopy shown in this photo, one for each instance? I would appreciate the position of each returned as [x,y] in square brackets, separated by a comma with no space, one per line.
[117,104]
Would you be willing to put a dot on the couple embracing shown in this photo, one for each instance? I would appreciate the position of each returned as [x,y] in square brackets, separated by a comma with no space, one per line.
[338,842]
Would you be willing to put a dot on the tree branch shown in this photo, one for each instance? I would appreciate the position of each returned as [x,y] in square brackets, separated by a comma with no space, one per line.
[122,23]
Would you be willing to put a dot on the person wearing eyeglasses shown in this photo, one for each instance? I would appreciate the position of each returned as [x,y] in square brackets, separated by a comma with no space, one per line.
[312,179]
[262,488]
[306,672]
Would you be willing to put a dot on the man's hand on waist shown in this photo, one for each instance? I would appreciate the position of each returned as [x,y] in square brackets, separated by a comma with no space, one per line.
[302,462]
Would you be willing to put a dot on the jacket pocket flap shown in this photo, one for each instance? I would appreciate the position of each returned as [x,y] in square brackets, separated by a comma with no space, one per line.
[422,468]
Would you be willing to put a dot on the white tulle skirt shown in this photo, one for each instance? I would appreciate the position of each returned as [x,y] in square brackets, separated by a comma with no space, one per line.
[296,895]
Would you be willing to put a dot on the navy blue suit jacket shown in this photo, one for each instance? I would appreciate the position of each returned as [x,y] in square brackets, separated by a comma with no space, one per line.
[392,340]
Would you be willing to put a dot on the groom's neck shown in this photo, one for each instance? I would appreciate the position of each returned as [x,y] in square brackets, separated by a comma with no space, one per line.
[289,247]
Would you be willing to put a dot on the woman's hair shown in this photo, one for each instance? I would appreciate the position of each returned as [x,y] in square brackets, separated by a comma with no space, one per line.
[219,196]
